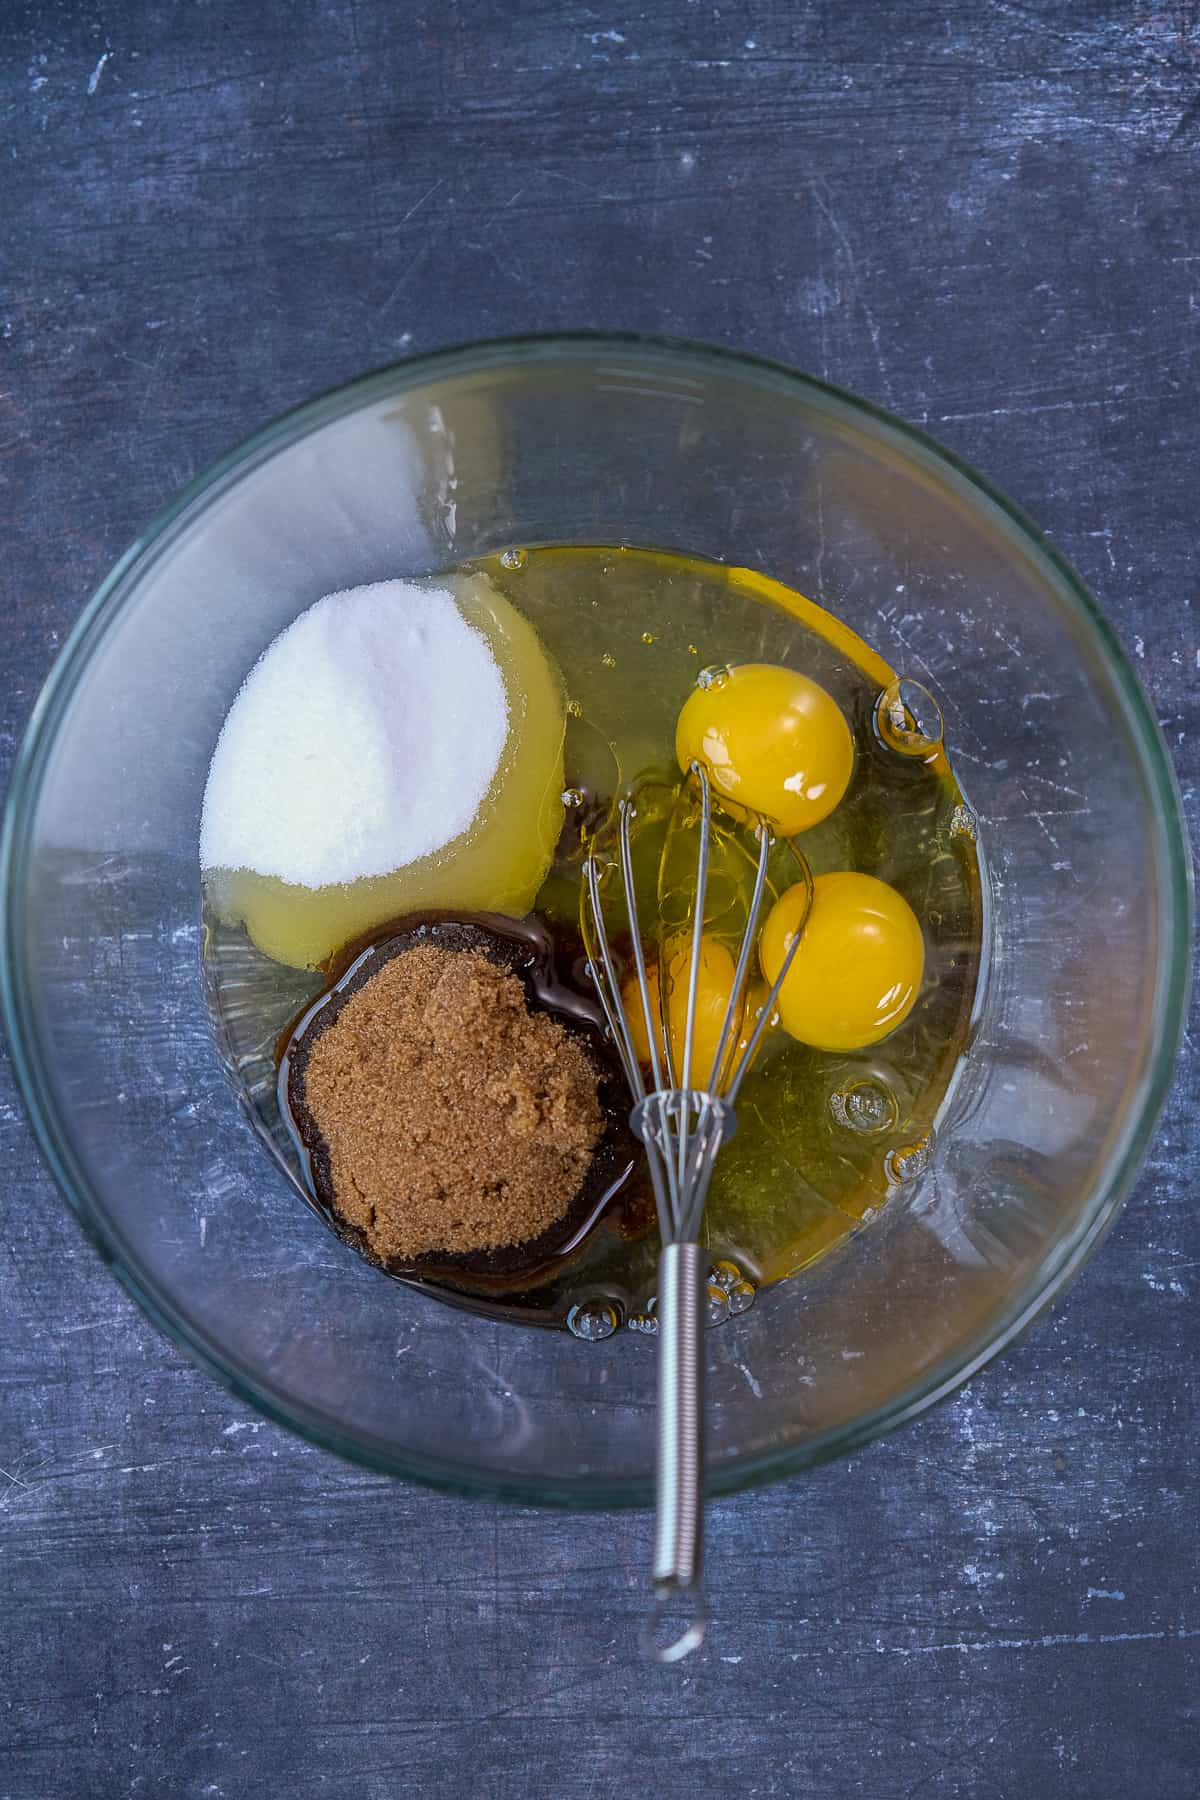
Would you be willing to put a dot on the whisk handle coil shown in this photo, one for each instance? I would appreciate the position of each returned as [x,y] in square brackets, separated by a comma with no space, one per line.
[682,1289]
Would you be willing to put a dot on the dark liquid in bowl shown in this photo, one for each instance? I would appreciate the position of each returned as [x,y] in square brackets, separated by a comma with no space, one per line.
[550,964]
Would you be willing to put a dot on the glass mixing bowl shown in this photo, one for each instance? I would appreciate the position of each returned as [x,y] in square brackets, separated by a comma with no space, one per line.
[596,440]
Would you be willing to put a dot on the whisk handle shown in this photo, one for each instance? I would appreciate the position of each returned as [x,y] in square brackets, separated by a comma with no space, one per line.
[682,1291]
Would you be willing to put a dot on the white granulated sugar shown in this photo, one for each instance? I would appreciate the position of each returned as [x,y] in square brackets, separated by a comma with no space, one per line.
[365,736]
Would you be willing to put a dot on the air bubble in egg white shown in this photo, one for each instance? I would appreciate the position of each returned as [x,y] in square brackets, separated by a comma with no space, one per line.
[866,1106]
[717,1304]
[908,718]
[908,1163]
[592,1321]
[742,1296]
[964,823]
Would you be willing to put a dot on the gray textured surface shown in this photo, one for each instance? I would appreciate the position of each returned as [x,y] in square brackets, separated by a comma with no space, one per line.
[990,222]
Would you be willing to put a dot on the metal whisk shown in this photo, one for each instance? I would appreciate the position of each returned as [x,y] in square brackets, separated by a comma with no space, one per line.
[682,1115]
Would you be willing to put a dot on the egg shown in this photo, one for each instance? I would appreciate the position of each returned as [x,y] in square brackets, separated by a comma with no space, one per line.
[714,990]
[773,742]
[858,967]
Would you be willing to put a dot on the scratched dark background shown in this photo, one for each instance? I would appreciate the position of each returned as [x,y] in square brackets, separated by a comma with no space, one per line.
[986,216]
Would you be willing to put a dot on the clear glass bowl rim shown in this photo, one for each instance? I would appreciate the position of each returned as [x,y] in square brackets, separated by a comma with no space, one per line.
[684,358]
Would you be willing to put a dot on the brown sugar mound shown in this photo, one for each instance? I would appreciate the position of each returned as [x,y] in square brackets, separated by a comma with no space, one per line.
[454,1118]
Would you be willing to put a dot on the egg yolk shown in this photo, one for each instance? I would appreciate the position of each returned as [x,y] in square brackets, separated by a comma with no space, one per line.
[714,990]
[858,966]
[773,742]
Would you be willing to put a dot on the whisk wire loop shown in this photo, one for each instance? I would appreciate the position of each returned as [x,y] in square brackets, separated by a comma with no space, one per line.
[639,953]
